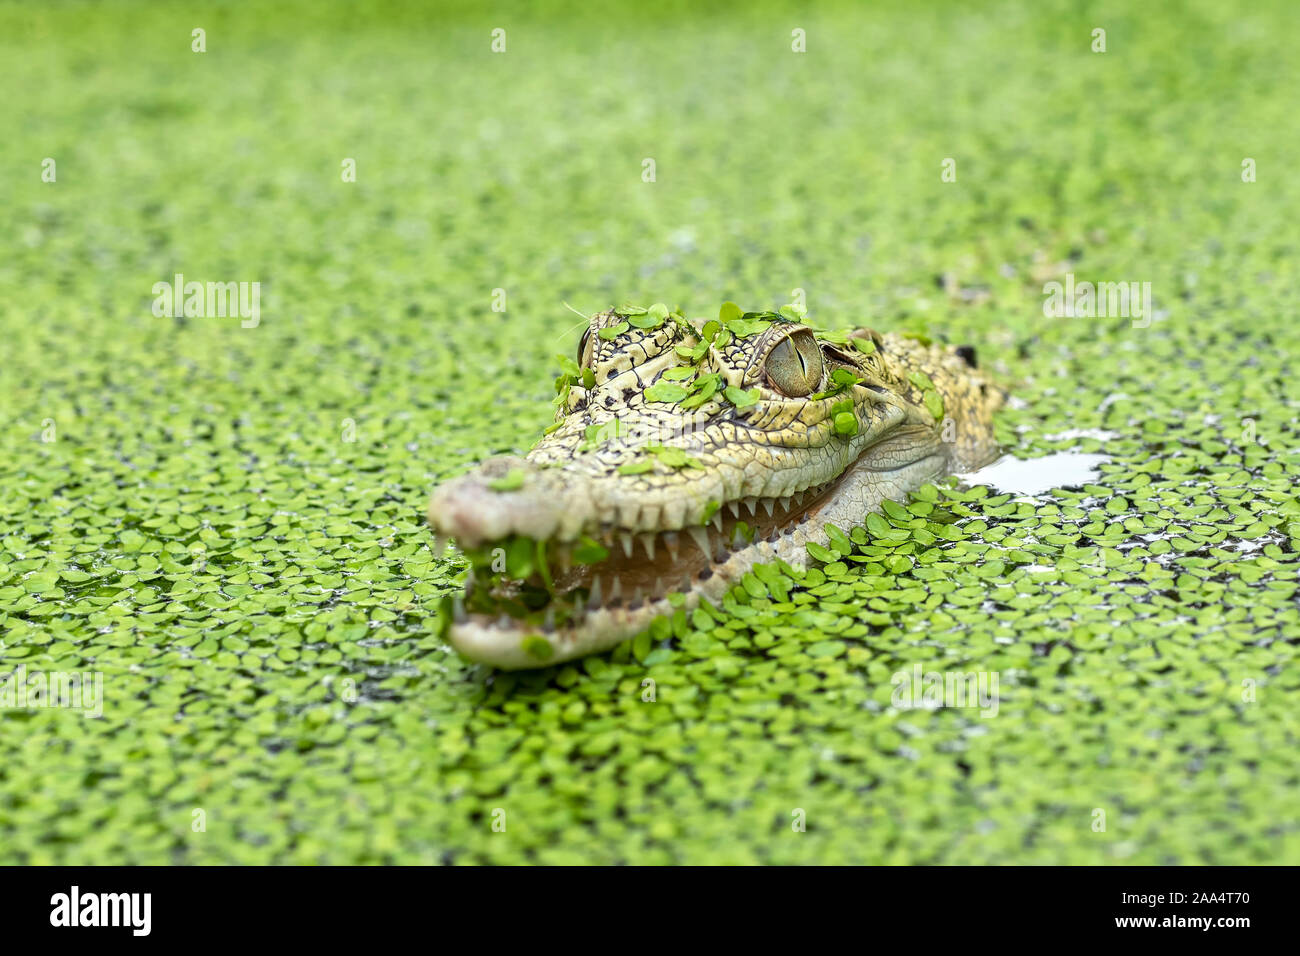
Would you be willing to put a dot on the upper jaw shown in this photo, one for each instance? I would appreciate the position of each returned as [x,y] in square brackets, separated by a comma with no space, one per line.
[572,498]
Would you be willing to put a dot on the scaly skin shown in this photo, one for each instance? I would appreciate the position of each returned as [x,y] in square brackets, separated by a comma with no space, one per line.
[758,480]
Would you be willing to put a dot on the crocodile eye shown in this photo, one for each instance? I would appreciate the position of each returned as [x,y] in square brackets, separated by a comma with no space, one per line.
[794,366]
[584,348]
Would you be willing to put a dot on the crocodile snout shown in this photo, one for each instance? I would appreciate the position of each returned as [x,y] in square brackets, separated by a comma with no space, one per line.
[503,497]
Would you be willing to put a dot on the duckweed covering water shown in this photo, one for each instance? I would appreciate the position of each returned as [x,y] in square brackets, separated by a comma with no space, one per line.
[226,522]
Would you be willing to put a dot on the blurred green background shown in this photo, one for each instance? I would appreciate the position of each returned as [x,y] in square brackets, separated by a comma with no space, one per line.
[227,522]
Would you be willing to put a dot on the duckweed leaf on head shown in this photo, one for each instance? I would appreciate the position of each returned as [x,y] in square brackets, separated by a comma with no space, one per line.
[741,397]
[673,457]
[744,328]
[513,480]
[665,392]
[934,403]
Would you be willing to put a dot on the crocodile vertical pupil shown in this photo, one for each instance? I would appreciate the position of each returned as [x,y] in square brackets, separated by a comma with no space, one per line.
[584,350]
[794,366]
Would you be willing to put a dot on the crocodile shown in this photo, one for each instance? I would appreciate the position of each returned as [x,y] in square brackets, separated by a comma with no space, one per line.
[685,452]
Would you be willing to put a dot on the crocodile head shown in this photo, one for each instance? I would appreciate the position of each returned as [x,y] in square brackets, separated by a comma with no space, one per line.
[683,454]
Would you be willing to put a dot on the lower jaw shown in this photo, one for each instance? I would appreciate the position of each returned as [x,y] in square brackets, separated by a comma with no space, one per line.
[517,646]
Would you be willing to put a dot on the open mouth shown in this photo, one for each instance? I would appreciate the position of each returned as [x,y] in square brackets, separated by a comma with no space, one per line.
[518,584]
[528,603]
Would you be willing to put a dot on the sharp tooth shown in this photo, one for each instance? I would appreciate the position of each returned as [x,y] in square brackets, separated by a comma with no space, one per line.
[648,542]
[701,538]
[439,545]
[717,519]
[458,609]
[636,595]
[658,587]
[674,514]
[626,538]
[579,605]
[798,499]
[670,542]
[735,508]
[616,591]
[752,504]
[548,623]
[767,506]
[595,590]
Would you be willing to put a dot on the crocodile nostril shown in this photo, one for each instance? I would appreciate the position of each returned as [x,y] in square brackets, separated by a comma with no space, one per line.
[967,353]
